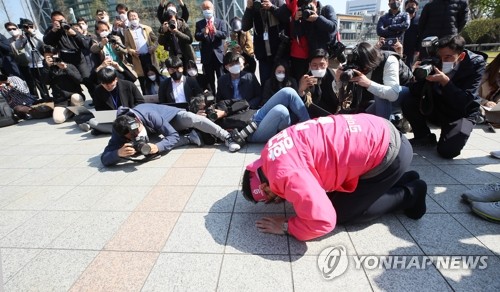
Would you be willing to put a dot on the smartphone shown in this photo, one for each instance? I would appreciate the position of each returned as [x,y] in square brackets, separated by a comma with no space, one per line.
[314,80]
[118,17]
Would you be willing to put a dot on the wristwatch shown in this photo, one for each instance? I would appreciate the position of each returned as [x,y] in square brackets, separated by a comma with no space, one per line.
[284,227]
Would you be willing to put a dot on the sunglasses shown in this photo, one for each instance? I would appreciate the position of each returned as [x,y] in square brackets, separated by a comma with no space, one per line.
[27,26]
[11,29]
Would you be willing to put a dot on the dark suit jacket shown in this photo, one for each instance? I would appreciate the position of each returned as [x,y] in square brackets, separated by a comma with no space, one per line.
[166,94]
[209,45]
[129,95]
[248,86]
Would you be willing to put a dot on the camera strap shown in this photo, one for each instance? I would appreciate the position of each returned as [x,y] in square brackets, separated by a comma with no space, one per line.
[264,14]
[145,159]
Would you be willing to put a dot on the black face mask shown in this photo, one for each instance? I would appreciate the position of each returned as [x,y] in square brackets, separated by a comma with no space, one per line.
[395,5]
[410,10]
[176,75]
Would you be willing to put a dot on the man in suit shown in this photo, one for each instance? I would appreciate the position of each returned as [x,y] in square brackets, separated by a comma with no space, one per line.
[178,88]
[110,95]
[211,33]
[238,85]
[141,44]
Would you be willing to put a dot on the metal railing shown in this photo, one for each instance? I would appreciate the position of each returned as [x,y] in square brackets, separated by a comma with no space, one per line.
[484,47]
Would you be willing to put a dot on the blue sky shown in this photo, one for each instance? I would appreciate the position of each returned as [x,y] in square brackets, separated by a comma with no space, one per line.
[338,5]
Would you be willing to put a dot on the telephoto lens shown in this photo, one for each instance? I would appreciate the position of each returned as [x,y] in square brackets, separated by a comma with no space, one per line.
[240,137]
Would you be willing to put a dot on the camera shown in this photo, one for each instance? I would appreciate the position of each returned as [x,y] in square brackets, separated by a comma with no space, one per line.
[64,25]
[56,59]
[113,42]
[257,4]
[352,63]
[172,24]
[306,7]
[426,66]
[336,49]
[205,102]
[141,145]
[240,136]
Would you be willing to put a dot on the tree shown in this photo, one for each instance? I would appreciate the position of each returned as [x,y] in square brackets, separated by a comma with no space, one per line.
[60,5]
[484,8]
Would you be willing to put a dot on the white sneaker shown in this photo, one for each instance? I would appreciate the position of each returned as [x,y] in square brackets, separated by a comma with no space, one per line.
[233,146]
[489,211]
[488,193]
[84,127]
[495,154]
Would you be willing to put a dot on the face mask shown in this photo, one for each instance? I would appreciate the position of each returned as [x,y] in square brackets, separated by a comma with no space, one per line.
[395,5]
[208,14]
[235,69]
[14,33]
[123,17]
[105,19]
[280,76]
[134,23]
[84,26]
[104,34]
[410,10]
[172,8]
[318,73]
[176,75]
[192,72]
[152,77]
[448,67]
[143,133]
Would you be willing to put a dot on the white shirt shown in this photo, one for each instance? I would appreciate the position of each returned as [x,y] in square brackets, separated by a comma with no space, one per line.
[178,90]
[141,45]
[390,89]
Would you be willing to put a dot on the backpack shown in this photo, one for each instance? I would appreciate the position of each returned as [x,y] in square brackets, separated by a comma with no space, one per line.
[405,74]
[6,113]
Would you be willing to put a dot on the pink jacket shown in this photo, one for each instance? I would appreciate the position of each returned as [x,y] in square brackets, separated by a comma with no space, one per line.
[321,155]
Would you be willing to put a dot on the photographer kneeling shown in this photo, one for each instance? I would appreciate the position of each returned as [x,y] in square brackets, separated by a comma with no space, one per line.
[138,124]
[376,74]
[451,98]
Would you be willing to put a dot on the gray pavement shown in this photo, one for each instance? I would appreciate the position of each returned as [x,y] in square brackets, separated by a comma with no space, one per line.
[179,223]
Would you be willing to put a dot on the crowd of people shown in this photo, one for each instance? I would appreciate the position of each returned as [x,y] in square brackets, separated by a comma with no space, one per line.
[420,68]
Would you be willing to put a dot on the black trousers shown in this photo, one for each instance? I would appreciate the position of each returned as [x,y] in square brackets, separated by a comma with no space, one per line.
[211,69]
[299,68]
[378,195]
[454,132]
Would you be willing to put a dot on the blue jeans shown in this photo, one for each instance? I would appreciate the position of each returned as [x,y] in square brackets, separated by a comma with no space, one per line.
[274,116]
[384,108]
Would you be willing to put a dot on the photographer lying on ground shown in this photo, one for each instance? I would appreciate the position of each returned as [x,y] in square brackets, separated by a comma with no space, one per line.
[450,83]
[338,168]
[279,112]
[133,127]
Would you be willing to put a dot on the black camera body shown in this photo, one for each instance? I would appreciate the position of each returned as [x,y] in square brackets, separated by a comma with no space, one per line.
[141,145]
[205,102]
[257,4]
[64,25]
[56,59]
[426,66]
[284,46]
[336,49]
[172,24]
[352,63]
[306,7]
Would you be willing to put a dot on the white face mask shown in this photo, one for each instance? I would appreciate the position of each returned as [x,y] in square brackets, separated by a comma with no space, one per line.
[104,34]
[192,72]
[235,69]
[134,23]
[123,17]
[280,76]
[172,8]
[15,32]
[84,26]
[208,14]
[105,19]
[448,67]
[318,73]
[143,133]
[152,77]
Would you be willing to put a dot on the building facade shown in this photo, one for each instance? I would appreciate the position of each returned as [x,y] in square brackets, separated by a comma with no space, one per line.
[364,7]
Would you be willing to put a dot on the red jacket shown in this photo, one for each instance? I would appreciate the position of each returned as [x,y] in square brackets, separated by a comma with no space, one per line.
[327,154]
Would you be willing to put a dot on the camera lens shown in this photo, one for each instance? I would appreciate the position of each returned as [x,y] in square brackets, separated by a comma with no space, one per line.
[347,75]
